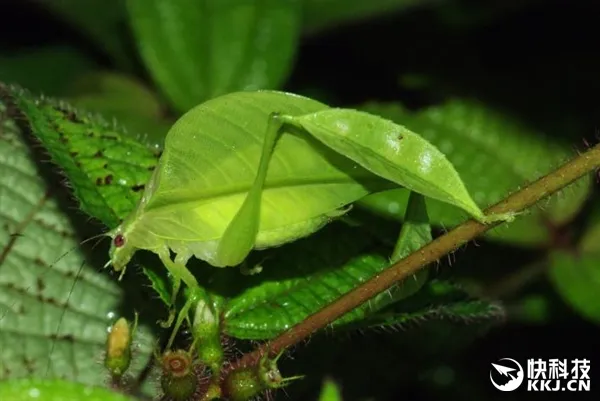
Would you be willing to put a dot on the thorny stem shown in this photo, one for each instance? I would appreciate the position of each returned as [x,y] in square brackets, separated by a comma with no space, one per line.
[517,202]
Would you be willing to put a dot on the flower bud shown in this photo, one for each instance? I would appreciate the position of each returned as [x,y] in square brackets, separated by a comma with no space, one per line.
[118,347]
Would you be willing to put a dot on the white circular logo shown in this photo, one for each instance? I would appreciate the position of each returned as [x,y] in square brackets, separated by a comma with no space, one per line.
[512,371]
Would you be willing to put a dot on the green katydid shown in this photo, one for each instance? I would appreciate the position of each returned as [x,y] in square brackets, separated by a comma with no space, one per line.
[276,183]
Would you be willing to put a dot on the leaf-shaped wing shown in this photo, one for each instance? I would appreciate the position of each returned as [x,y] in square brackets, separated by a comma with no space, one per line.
[494,153]
[390,151]
[211,159]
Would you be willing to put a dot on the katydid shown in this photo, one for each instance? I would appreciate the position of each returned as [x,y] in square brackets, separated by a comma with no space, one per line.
[244,171]
[206,199]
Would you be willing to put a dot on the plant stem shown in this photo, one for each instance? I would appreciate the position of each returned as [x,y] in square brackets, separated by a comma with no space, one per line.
[517,202]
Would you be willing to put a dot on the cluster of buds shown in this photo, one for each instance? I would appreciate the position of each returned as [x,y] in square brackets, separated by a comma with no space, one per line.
[196,374]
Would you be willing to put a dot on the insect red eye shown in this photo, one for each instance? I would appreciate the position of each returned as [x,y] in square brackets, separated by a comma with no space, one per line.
[119,241]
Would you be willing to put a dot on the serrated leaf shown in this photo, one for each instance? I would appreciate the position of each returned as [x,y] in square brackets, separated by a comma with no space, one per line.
[101,20]
[47,70]
[200,50]
[48,326]
[577,280]
[324,14]
[56,390]
[300,278]
[106,168]
[437,300]
[495,155]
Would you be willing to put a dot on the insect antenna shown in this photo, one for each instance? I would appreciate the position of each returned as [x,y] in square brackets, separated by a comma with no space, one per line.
[62,315]
[16,305]
[58,259]
[99,238]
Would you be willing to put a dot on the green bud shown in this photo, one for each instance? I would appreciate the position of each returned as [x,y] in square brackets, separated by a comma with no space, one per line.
[118,347]
[207,336]
[246,383]
[242,384]
[179,380]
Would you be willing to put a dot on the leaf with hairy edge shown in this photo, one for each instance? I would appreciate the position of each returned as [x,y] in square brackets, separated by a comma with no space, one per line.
[437,300]
[198,50]
[48,326]
[106,168]
[494,155]
[317,271]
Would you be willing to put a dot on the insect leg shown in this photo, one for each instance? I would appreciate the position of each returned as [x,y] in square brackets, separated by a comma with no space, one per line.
[179,272]
[239,237]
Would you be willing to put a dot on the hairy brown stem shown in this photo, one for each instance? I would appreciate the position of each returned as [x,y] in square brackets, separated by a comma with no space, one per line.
[517,202]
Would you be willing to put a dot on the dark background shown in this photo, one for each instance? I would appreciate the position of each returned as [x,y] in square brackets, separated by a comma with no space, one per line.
[541,62]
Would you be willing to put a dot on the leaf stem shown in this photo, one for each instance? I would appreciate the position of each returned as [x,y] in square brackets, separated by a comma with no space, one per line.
[521,200]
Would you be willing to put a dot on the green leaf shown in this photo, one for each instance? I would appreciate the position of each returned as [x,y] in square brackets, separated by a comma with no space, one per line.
[330,392]
[590,241]
[324,14]
[101,20]
[48,70]
[391,151]
[106,168]
[437,300]
[532,309]
[49,327]
[300,278]
[495,154]
[125,99]
[56,390]
[200,50]
[577,280]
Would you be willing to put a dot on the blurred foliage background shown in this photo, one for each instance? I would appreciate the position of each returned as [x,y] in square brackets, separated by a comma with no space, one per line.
[531,61]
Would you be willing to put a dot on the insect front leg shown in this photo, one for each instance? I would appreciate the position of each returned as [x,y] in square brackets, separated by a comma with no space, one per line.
[179,272]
